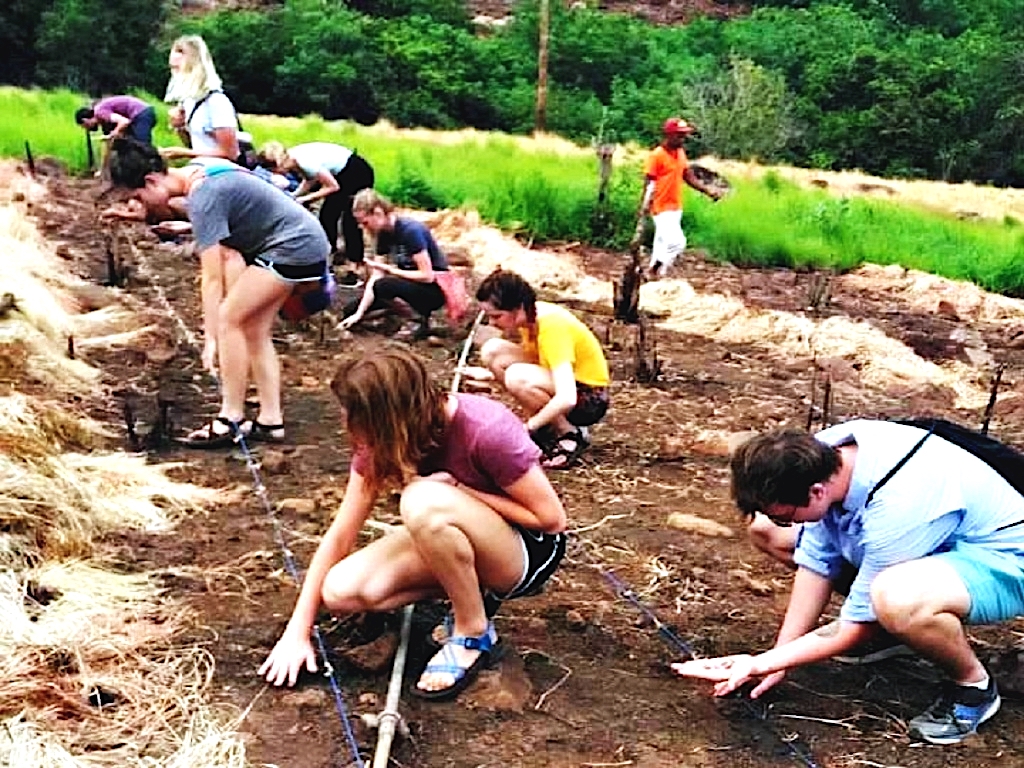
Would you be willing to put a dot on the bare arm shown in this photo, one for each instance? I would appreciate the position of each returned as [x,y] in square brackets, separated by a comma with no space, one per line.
[327,183]
[121,124]
[212,288]
[563,401]
[335,545]
[691,178]
[227,147]
[531,502]
[796,644]
[294,650]
[645,198]
[364,302]
[424,272]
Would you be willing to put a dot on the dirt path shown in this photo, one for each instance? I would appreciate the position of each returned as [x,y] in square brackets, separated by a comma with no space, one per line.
[585,681]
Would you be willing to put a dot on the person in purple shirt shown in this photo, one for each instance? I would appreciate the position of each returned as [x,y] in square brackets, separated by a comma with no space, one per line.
[478,516]
[119,117]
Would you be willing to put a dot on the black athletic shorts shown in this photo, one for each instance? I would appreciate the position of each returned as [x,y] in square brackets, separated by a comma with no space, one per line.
[543,552]
[591,405]
[293,273]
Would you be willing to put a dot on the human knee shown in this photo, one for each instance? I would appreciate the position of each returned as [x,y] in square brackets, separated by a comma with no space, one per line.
[491,354]
[346,592]
[520,378]
[423,510]
[898,601]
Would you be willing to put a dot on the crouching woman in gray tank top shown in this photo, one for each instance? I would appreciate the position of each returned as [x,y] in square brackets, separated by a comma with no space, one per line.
[480,520]
[255,244]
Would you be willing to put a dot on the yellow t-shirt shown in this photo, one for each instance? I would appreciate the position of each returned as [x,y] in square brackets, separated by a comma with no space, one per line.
[561,338]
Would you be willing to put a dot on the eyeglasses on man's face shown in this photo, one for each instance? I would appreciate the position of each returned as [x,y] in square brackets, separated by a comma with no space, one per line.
[781,514]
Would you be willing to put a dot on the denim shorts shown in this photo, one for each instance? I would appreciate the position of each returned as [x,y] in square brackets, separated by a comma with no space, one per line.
[292,273]
[994,580]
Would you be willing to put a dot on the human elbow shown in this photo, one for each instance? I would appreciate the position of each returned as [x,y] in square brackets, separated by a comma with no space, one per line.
[553,519]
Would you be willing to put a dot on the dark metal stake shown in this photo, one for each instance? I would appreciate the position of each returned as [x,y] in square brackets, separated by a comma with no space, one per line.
[992,397]
[90,155]
[71,347]
[129,422]
[31,161]
[826,400]
[814,394]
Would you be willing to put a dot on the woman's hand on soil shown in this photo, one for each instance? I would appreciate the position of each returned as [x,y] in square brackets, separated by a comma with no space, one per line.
[728,672]
[287,660]
[477,373]
[349,321]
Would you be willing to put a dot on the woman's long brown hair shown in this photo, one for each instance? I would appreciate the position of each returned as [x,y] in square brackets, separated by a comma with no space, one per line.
[394,410]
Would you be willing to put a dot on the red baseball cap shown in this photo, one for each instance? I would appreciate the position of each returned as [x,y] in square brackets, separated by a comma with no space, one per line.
[677,125]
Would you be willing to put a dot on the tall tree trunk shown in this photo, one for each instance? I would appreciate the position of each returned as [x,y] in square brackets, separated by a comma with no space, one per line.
[539,118]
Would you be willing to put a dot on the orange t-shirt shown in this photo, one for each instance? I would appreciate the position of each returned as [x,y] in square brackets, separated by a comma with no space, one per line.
[667,169]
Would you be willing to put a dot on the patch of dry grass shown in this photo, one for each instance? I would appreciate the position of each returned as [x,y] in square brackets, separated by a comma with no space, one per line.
[966,200]
[91,673]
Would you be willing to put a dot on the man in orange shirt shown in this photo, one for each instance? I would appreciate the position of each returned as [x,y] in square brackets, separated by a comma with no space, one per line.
[665,171]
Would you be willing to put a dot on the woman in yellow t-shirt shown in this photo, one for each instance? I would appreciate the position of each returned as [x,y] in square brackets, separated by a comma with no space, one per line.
[556,370]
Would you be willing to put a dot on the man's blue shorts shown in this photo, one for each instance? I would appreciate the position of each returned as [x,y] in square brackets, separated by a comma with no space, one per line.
[994,580]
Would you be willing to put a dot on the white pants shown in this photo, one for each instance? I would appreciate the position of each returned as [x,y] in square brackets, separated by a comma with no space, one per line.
[669,240]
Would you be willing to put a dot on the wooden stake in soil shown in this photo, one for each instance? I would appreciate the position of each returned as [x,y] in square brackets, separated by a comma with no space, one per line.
[89,154]
[627,290]
[7,304]
[30,160]
[647,369]
[992,397]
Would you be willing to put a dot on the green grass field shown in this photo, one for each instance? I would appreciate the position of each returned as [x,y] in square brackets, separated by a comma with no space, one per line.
[548,192]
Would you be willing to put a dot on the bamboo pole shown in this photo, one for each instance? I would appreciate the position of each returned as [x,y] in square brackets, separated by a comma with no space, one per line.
[388,720]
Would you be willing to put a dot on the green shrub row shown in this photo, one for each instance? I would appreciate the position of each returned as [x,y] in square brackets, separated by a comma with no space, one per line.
[894,88]
[550,194]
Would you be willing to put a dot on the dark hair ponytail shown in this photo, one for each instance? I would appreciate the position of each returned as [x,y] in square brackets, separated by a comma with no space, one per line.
[131,161]
[509,291]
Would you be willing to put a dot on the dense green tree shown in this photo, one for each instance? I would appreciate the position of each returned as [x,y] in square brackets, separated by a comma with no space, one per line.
[99,46]
[745,113]
[19,26]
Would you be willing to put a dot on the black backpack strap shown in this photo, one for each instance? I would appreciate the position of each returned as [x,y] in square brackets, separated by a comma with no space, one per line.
[899,465]
[199,103]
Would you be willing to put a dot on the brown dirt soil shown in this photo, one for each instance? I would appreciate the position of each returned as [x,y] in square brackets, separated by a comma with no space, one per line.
[585,680]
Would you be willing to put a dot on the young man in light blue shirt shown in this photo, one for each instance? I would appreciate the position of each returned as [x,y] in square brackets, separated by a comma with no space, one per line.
[937,543]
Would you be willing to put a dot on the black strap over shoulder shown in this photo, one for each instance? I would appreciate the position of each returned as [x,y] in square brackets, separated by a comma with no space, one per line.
[1004,459]
[899,464]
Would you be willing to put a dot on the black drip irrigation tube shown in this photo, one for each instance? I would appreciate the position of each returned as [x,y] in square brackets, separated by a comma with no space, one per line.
[262,494]
[796,748]
[289,562]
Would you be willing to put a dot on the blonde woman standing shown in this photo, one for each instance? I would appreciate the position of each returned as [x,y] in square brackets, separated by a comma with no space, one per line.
[204,117]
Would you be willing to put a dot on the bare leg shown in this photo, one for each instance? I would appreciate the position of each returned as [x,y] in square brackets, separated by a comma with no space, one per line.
[532,387]
[923,603]
[246,316]
[451,544]
[466,544]
[498,354]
